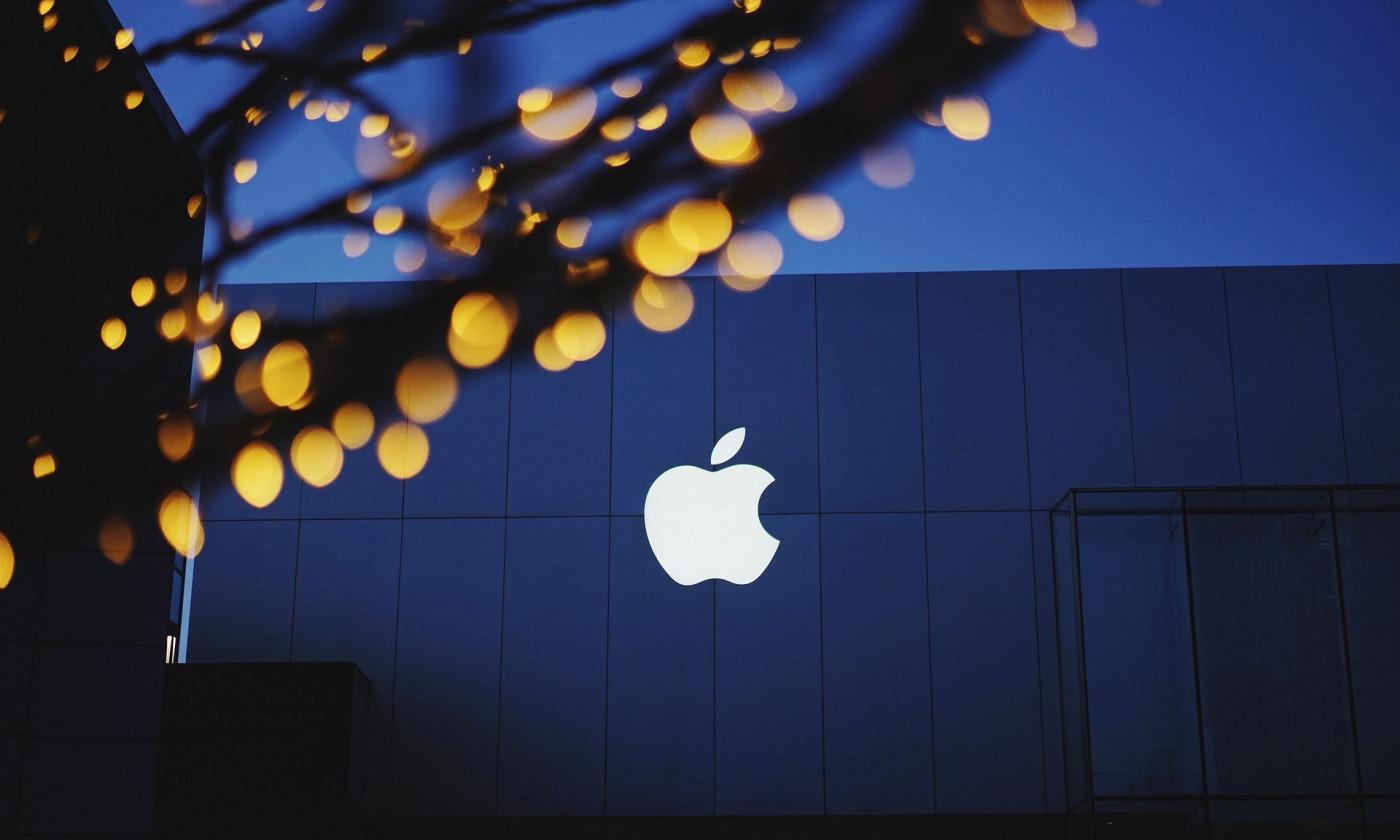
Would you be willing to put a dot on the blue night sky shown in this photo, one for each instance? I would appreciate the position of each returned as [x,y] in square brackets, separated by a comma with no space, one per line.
[1195,133]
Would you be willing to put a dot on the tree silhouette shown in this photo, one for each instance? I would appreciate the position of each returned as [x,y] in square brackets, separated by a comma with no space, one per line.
[566,204]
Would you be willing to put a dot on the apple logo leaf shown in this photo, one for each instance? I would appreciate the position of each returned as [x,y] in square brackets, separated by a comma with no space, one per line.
[727,447]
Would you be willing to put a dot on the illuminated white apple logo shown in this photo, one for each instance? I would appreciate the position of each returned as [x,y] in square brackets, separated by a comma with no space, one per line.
[704,524]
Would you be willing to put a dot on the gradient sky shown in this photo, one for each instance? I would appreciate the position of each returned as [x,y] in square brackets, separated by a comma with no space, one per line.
[1197,132]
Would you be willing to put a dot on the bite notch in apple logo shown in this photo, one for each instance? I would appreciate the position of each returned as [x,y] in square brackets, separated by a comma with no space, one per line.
[704,524]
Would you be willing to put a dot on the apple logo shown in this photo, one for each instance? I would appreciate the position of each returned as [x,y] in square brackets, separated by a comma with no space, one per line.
[703,524]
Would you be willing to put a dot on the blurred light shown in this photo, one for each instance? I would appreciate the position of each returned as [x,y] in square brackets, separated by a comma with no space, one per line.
[195,205]
[115,539]
[464,45]
[172,324]
[547,353]
[358,202]
[486,179]
[753,255]
[1006,18]
[534,100]
[656,250]
[355,243]
[1083,34]
[246,328]
[204,39]
[143,291]
[316,5]
[45,465]
[403,450]
[286,373]
[45,6]
[209,359]
[295,98]
[50,21]
[372,51]
[426,389]
[653,119]
[480,330]
[180,525]
[133,99]
[410,256]
[113,333]
[816,217]
[209,310]
[618,159]
[692,53]
[890,167]
[618,128]
[663,304]
[175,437]
[564,116]
[581,274]
[786,43]
[257,474]
[337,110]
[123,38]
[374,125]
[388,220]
[101,63]
[455,204]
[315,109]
[69,53]
[247,384]
[353,424]
[175,280]
[626,87]
[752,90]
[244,171]
[252,41]
[580,335]
[967,117]
[724,139]
[317,456]
[748,5]
[572,232]
[761,48]
[7,561]
[732,58]
[1056,15]
[700,224]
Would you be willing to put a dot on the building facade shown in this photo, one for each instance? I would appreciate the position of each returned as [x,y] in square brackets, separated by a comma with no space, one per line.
[528,655]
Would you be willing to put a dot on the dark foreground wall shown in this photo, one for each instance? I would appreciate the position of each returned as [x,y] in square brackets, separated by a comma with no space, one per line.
[528,656]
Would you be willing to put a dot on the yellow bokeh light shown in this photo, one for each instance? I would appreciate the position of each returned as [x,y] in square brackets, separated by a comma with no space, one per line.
[69,53]
[244,171]
[134,99]
[316,5]
[180,523]
[663,304]
[815,216]
[209,359]
[658,251]
[548,354]
[116,539]
[295,98]
[252,41]
[618,159]
[246,328]
[355,244]
[626,87]
[618,128]
[692,53]
[752,90]
[580,335]
[653,119]
[374,125]
[337,110]
[464,46]
[480,329]
[45,6]
[564,116]
[143,291]
[1083,34]
[7,561]
[353,424]
[315,109]
[45,465]
[572,232]
[372,51]
[752,255]
[172,324]
[534,100]
[209,310]
[247,384]
[1056,15]
[257,474]
[113,333]
[123,38]
[286,373]
[195,205]
[426,389]
[455,204]
[888,167]
[175,436]
[359,201]
[403,450]
[176,280]
[1006,18]
[388,220]
[748,6]
[966,117]
[700,224]
[317,456]
[50,21]
[723,139]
